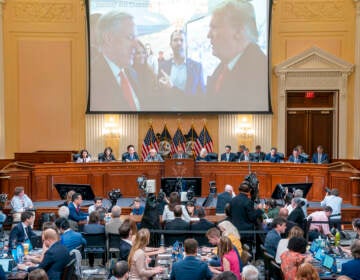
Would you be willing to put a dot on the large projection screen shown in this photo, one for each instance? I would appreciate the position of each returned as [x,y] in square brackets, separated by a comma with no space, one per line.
[178,56]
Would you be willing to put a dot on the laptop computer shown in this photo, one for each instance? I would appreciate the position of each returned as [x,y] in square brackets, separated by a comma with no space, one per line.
[319,255]
[7,265]
[314,247]
[36,242]
[329,262]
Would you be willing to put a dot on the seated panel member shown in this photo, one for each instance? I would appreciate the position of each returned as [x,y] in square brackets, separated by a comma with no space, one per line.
[273,156]
[228,155]
[180,153]
[258,155]
[295,156]
[84,157]
[246,156]
[203,155]
[107,155]
[320,157]
[130,155]
[302,153]
[153,156]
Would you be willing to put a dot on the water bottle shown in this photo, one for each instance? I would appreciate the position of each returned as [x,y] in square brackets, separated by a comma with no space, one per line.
[337,238]
[162,240]
[20,253]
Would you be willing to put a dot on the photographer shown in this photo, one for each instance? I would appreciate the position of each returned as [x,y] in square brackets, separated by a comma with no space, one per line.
[244,215]
[333,200]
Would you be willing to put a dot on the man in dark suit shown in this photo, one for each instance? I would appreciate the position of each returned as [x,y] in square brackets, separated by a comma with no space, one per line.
[320,157]
[246,156]
[55,258]
[241,79]
[113,82]
[352,267]
[224,198]
[125,241]
[69,238]
[228,155]
[243,214]
[130,155]
[180,74]
[273,156]
[74,209]
[295,156]
[180,154]
[22,231]
[176,224]
[258,155]
[190,267]
[202,225]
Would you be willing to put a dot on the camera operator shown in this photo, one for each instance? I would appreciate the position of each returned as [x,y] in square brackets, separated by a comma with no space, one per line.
[244,215]
[333,200]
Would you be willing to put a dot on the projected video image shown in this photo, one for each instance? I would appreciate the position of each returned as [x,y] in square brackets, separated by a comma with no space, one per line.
[178,56]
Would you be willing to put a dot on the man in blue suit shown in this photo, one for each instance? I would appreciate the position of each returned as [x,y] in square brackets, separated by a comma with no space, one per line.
[69,238]
[55,258]
[181,74]
[228,155]
[273,156]
[295,156]
[190,267]
[74,208]
[224,198]
[352,268]
[320,157]
[22,231]
[130,155]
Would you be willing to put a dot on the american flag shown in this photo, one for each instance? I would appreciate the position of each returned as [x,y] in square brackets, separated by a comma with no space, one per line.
[204,141]
[149,142]
[191,138]
[178,139]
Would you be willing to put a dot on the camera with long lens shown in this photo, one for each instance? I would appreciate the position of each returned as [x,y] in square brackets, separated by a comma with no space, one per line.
[327,190]
[114,195]
[253,184]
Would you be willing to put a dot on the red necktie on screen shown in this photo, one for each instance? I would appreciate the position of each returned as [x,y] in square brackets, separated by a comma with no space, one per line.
[220,79]
[127,90]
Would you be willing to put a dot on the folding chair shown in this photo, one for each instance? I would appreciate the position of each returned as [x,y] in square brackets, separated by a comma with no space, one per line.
[113,244]
[69,271]
[95,243]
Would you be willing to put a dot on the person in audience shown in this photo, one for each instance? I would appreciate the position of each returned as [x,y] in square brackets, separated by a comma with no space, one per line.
[224,198]
[356,227]
[38,274]
[288,201]
[130,155]
[176,224]
[181,76]
[284,242]
[258,155]
[68,200]
[151,59]
[352,268]
[84,156]
[244,216]
[228,257]
[126,240]
[272,209]
[190,267]
[191,210]
[226,275]
[246,156]
[97,204]
[168,213]
[113,225]
[333,200]
[94,227]
[107,155]
[273,156]
[180,153]
[202,224]
[302,154]
[138,268]
[273,236]
[317,229]
[137,208]
[64,212]
[228,155]
[203,155]
[120,271]
[153,156]
[22,232]
[297,214]
[320,157]
[69,238]
[284,213]
[300,194]
[250,272]
[307,272]
[74,208]
[20,202]
[229,230]
[55,259]
[294,257]
[295,156]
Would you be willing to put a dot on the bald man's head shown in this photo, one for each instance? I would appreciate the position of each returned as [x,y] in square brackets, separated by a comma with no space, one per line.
[284,213]
[51,235]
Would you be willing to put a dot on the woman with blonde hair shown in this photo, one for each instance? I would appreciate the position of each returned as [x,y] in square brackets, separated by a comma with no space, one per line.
[295,231]
[307,272]
[229,230]
[138,269]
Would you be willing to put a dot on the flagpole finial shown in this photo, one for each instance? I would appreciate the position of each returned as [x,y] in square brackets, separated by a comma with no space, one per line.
[178,121]
[204,121]
[150,121]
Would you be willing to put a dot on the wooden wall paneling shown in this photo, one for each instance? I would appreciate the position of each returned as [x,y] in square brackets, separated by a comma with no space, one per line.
[342,183]
[41,188]
[97,184]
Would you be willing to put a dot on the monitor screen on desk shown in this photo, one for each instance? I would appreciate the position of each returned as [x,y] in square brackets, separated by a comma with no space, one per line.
[84,189]
[172,184]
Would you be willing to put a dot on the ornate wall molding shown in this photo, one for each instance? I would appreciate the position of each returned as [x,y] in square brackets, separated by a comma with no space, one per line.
[43,12]
[316,10]
[315,69]
[357,83]
[2,92]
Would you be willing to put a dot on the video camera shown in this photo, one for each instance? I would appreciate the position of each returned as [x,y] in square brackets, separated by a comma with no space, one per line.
[114,195]
[253,184]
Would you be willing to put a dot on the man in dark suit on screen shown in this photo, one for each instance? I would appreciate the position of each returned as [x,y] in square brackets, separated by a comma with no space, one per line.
[113,82]
[239,83]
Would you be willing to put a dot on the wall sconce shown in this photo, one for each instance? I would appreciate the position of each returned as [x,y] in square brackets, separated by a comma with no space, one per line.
[245,128]
[111,128]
